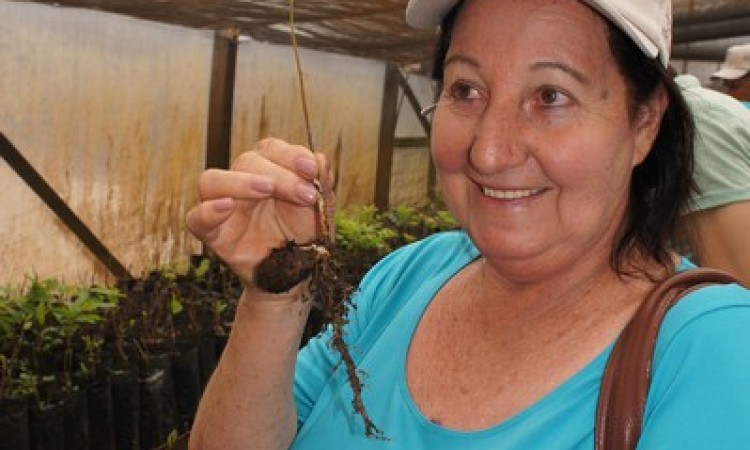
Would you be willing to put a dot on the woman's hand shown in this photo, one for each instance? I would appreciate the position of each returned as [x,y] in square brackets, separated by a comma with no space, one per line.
[269,196]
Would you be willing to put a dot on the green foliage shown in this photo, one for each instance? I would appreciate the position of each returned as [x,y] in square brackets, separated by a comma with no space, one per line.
[364,235]
[362,230]
[365,229]
[53,333]
[49,333]
[201,270]
[14,380]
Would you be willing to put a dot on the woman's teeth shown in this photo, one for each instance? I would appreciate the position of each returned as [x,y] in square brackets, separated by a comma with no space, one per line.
[514,194]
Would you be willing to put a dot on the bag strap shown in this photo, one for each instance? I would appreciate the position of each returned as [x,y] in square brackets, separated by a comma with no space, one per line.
[627,375]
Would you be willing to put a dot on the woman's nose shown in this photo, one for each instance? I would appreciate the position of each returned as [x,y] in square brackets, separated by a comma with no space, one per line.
[498,143]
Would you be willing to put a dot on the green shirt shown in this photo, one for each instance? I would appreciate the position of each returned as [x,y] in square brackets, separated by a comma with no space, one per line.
[722,145]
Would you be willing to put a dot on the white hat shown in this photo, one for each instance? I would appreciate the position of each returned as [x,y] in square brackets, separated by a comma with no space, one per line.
[736,64]
[647,22]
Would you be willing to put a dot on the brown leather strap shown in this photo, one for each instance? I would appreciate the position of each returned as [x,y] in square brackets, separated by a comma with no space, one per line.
[627,376]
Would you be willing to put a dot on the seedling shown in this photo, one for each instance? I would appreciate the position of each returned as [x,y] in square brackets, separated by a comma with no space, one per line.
[293,262]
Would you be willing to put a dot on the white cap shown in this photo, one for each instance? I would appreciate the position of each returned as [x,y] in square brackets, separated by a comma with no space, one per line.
[647,22]
[736,64]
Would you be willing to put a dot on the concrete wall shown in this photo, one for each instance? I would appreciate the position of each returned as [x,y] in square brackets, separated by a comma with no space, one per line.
[112,111]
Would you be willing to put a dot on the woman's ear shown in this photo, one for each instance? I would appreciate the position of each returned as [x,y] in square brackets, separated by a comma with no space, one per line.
[648,122]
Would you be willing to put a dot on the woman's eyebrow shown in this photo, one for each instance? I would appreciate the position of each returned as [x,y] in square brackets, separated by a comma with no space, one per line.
[540,65]
[461,59]
[578,75]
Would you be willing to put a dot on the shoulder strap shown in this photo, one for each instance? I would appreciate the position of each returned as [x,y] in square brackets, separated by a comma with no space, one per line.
[627,375]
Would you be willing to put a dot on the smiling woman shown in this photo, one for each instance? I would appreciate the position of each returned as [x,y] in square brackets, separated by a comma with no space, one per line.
[521,143]
[564,150]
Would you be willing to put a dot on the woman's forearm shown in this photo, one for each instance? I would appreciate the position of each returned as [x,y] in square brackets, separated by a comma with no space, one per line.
[248,403]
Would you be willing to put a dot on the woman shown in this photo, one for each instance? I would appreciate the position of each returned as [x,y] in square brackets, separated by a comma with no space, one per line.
[563,149]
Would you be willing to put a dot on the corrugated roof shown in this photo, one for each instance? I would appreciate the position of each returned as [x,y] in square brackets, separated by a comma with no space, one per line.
[367,28]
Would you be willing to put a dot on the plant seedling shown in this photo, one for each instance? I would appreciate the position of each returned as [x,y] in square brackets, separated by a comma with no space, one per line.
[288,265]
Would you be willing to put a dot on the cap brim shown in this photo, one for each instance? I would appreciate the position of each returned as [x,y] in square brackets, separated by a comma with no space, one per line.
[730,74]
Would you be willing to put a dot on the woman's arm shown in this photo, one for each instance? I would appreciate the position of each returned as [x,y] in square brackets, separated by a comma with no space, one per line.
[248,402]
[269,197]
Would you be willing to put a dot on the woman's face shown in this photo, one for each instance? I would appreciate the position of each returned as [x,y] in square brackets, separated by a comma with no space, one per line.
[532,137]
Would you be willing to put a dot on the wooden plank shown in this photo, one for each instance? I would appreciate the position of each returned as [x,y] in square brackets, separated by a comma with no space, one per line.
[388,119]
[45,192]
[221,99]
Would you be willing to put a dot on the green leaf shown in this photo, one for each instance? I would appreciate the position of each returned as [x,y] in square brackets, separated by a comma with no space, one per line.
[202,268]
[175,305]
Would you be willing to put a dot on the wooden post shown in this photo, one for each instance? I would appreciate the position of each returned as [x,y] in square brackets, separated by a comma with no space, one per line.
[221,99]
[388,118]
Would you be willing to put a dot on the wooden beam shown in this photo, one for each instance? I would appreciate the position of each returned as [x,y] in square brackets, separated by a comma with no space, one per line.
[388,119]
[414,102]
[411,142]
[729,28]
[45,192]
[315,15]
[427,127]
[221,99]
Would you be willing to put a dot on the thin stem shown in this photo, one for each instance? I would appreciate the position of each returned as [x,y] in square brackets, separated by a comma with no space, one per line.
[322,213]
[298,64]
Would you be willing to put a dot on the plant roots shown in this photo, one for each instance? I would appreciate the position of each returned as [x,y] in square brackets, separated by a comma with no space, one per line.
[292,263]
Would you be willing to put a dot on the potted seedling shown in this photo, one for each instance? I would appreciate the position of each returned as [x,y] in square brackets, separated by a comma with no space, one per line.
[16,383]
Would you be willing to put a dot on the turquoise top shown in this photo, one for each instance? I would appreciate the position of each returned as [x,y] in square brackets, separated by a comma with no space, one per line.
[699,398]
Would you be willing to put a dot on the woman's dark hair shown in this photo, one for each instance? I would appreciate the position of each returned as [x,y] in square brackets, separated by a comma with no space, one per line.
[662,184]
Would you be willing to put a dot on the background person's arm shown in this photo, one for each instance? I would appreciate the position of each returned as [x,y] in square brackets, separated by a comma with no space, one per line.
[721,238]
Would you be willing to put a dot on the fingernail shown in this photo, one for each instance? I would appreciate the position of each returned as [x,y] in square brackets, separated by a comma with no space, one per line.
[307,193]
[306,166]
[223,204]
[262,184]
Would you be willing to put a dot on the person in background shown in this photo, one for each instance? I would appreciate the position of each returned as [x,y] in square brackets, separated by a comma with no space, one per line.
[718,219]
[564,150]
[734,73]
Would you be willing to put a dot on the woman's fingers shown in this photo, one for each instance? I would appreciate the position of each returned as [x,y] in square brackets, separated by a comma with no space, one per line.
[268,196]
[205,219]
[215,184]
[292,168]
[292,157]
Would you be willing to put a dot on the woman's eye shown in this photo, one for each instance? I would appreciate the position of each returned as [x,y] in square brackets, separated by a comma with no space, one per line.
[463,91]
[553,97]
